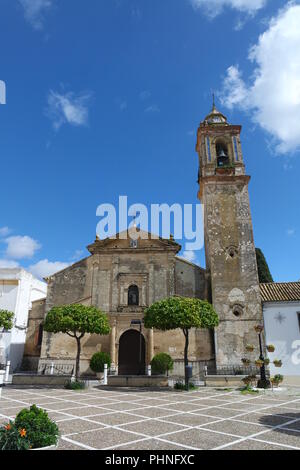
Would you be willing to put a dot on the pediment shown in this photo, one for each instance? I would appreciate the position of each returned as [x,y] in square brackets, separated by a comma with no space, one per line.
[145,241]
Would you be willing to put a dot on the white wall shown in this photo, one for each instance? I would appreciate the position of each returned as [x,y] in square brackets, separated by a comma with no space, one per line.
[18,299]
[282,330]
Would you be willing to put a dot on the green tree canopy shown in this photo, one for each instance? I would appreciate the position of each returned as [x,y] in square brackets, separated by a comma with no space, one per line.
[184,313]
[6,319]
[77,320]
[180,312]
[264,274]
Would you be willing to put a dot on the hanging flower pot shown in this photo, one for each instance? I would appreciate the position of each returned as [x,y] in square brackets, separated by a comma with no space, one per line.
[250,348]
[277,363]
[258,328]
[270,348]
[246,361]
[267,361]
[259,363]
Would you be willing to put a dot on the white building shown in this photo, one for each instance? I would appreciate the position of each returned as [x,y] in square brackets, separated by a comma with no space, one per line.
[18,289]
[281,310]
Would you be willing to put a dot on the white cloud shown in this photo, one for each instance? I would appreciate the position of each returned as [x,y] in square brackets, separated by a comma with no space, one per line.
[290,232]
[45,268]
[19,247]
[152,109]
[34,11]
[6,263]
[214,7]
[68,108]
[4,231]
[272,94]
[189,255]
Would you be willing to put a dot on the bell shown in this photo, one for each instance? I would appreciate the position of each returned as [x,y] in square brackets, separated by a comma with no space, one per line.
[222,154]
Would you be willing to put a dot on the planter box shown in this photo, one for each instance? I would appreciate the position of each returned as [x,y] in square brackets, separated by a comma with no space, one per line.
[224,380]
[137,381]
[34,379]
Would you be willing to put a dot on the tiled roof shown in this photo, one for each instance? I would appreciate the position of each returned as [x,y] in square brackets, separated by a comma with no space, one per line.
[280,291]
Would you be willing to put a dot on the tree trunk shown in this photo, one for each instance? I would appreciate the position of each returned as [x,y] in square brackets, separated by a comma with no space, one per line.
[186,359]
[77,367]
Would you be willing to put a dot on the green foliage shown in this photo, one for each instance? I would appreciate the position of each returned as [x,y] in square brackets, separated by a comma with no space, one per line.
[278,378]
[162,363]
[6,319]
[182,386]
[264,273]
[41,431]
[12,438]
[76,385]
[248,390]
[99,359]
[180,312]
[76,319]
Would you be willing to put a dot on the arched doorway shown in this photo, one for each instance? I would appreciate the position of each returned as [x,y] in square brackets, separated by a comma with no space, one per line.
[131,353]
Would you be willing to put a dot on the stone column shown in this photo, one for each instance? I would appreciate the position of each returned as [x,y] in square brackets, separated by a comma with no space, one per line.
[113,344]
[150,345]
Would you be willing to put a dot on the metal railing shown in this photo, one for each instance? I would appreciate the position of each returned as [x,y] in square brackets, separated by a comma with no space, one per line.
[234,369]
[52,368]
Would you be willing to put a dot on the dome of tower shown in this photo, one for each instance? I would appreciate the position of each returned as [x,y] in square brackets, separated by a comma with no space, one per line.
[215,117]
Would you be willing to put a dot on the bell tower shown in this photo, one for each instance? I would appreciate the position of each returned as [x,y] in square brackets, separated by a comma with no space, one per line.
[228,234]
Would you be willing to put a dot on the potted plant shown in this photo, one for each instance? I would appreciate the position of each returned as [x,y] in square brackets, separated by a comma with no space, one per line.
[267,361]
[270,348]
[32,429]
[98,361]
[278,378]
[277,363]
[250,348]
[259,363]
[162,363]
[258,328]
[246,361]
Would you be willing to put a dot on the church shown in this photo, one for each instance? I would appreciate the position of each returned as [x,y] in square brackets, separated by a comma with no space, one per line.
[123,278]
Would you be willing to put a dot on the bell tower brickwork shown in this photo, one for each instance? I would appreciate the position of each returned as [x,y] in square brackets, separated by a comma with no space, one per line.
[229,244]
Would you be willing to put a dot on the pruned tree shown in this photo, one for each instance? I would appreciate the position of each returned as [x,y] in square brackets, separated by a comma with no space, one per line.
[184,313]
[76,321]
[6,319]
[264,273]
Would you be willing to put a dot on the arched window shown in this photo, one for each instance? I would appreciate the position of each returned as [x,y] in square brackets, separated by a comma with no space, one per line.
[222,154]
[133,295]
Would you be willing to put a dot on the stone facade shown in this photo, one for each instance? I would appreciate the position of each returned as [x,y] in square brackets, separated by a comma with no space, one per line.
[229,245]
[151,270]
[103,280]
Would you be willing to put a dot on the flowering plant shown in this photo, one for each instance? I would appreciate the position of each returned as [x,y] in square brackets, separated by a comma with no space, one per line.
[13,438]
[32,429]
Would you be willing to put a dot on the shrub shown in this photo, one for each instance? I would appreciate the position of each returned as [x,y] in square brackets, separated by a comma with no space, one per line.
[278,378]
[98,360]
[162,363]
[13,438]
[76,385]
[40,430]
[182,386]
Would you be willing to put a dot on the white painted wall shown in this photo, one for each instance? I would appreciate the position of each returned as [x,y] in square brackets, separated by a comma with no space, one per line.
[282,330]
[18,299]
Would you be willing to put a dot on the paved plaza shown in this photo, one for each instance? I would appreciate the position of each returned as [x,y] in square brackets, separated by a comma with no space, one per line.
[133,419]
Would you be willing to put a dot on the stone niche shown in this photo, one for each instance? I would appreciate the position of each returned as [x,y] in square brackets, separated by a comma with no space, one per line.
[125,280]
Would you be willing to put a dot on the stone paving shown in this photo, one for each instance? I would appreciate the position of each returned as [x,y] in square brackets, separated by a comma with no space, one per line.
[135,419]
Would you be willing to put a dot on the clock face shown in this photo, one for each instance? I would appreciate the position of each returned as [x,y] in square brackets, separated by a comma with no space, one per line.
[217,119]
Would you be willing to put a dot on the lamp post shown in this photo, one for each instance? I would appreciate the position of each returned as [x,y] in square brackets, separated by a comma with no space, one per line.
[133,323]
[263,382]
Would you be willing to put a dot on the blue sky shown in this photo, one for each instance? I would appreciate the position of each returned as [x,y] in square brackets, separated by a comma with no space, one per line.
[104,99]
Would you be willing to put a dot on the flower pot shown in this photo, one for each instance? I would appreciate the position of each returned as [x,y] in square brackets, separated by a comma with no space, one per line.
[270,348]
[99,375]
[277,364]
[249,348]
[258,328]
[54,447]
